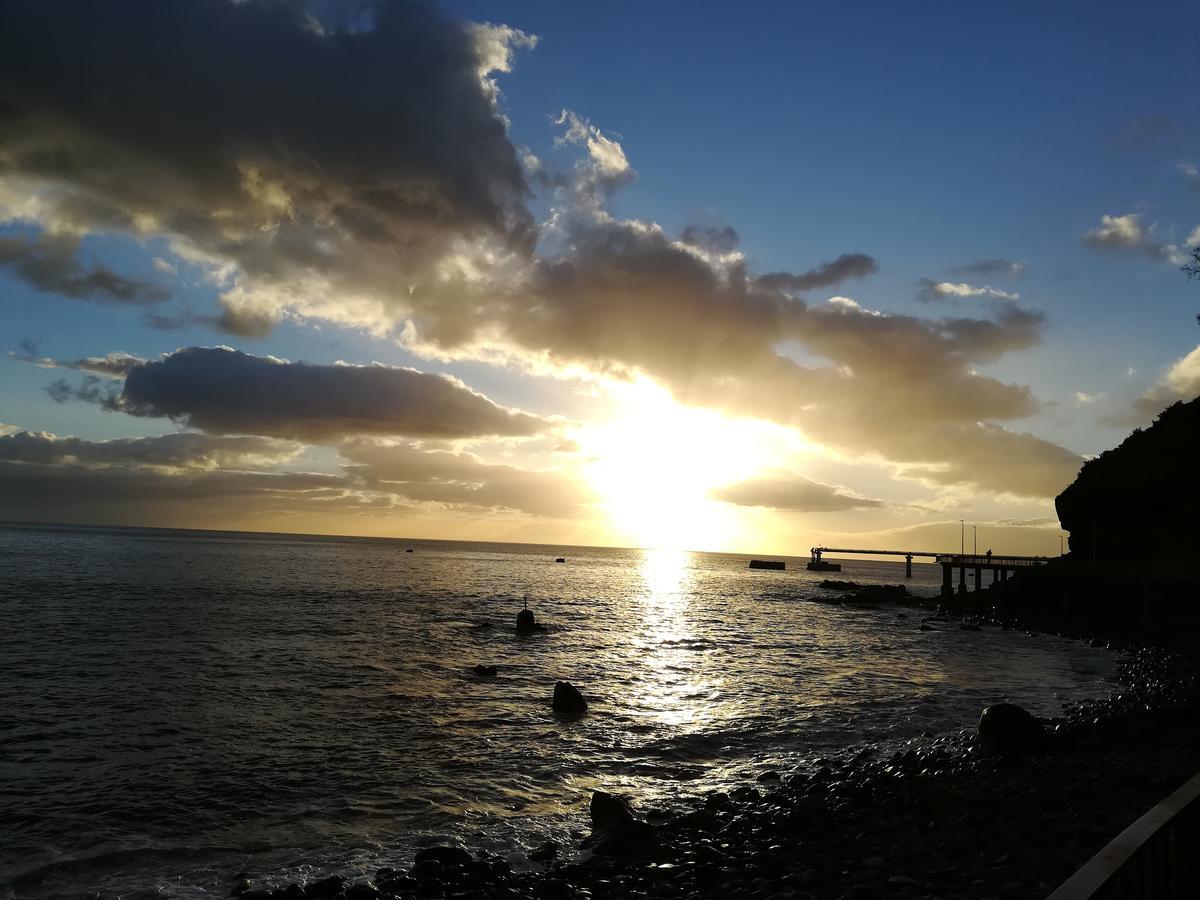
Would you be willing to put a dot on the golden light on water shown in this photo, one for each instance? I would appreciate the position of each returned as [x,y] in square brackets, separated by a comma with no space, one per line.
[656,463]
[672,689]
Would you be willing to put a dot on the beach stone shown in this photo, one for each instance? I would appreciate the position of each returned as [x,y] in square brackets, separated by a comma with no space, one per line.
[428,870]
[363,890]
[1006,729]
[447,856]
[333,886]
[567,698]
[240,887]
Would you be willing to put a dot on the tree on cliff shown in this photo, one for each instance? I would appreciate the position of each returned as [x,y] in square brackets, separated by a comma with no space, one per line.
[1193,268]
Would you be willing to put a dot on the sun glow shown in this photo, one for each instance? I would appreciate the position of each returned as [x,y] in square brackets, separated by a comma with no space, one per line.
[655,463]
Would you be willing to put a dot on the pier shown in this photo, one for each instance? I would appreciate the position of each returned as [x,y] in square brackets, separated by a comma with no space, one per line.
[999,566]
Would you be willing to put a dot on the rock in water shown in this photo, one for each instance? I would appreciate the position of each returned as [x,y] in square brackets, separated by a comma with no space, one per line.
[1006,729]
[567,699]
[526,623]
[616,830]
[482,671]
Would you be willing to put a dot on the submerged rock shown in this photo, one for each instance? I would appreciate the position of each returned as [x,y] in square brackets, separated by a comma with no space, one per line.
[483,671]
[526,622]
[1006,729]
[567,699]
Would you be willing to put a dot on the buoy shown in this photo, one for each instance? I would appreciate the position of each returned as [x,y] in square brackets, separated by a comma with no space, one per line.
[526,623]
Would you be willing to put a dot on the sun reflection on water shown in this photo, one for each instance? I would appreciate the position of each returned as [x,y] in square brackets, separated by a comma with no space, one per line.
[675,688]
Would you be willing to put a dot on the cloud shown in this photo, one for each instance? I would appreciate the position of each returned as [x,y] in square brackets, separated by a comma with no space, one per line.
[828,274]
[221,391]
[1191,174]
[292,159]
[938,291]
[363,175]
[183,450]
[113,365]
[48,264]
[1181,382]
[230,481]
[993,267]
[1082,398]
[1126,234]
[606,166]
[794,493]
[464,479]
[995,458]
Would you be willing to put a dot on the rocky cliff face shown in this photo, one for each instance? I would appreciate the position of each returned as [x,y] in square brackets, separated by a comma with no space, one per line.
[1140,500]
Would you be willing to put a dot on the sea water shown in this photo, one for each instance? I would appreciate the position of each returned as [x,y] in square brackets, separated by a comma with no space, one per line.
[177,708]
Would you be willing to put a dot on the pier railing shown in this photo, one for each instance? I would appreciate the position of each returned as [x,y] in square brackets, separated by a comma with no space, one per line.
[1155,858]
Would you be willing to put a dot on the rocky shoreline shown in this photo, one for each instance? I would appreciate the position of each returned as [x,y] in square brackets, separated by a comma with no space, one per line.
[938,818]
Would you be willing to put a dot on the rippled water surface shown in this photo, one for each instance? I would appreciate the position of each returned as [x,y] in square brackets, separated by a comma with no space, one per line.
[178,707]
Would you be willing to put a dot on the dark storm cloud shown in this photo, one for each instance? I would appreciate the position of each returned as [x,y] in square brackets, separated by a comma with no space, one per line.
[992,268]
[254,134]
[219,390]
[828,274]
[49,264]
[92,389]
[793,493]
[173,450]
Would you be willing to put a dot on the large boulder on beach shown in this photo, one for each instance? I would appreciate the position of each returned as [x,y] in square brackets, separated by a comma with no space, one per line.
[1006,729]
[616,831]
[567,699]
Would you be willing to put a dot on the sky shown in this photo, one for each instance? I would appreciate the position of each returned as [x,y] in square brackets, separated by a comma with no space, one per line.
[676,274]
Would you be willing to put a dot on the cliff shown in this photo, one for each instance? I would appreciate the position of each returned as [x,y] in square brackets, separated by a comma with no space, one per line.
[1140,500]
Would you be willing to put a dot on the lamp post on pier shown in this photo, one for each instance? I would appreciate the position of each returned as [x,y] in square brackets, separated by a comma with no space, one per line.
[962,538]
[975,534]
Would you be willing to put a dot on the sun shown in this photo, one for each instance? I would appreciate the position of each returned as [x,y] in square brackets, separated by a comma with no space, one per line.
[654,464]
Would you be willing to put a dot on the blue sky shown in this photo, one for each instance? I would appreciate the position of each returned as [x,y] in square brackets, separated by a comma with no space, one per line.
[928,136]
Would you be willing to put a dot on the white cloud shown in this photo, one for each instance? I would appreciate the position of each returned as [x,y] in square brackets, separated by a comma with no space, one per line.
[1127,234]
[932,291]
[1181,382]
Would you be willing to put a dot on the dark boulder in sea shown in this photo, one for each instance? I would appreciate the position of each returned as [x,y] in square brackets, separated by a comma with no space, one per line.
[1138,501]
[567,699]
[1006,729]
[482,671]
[616,831]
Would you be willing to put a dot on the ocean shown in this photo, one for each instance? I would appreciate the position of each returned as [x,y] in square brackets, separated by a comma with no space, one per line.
[177,708]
